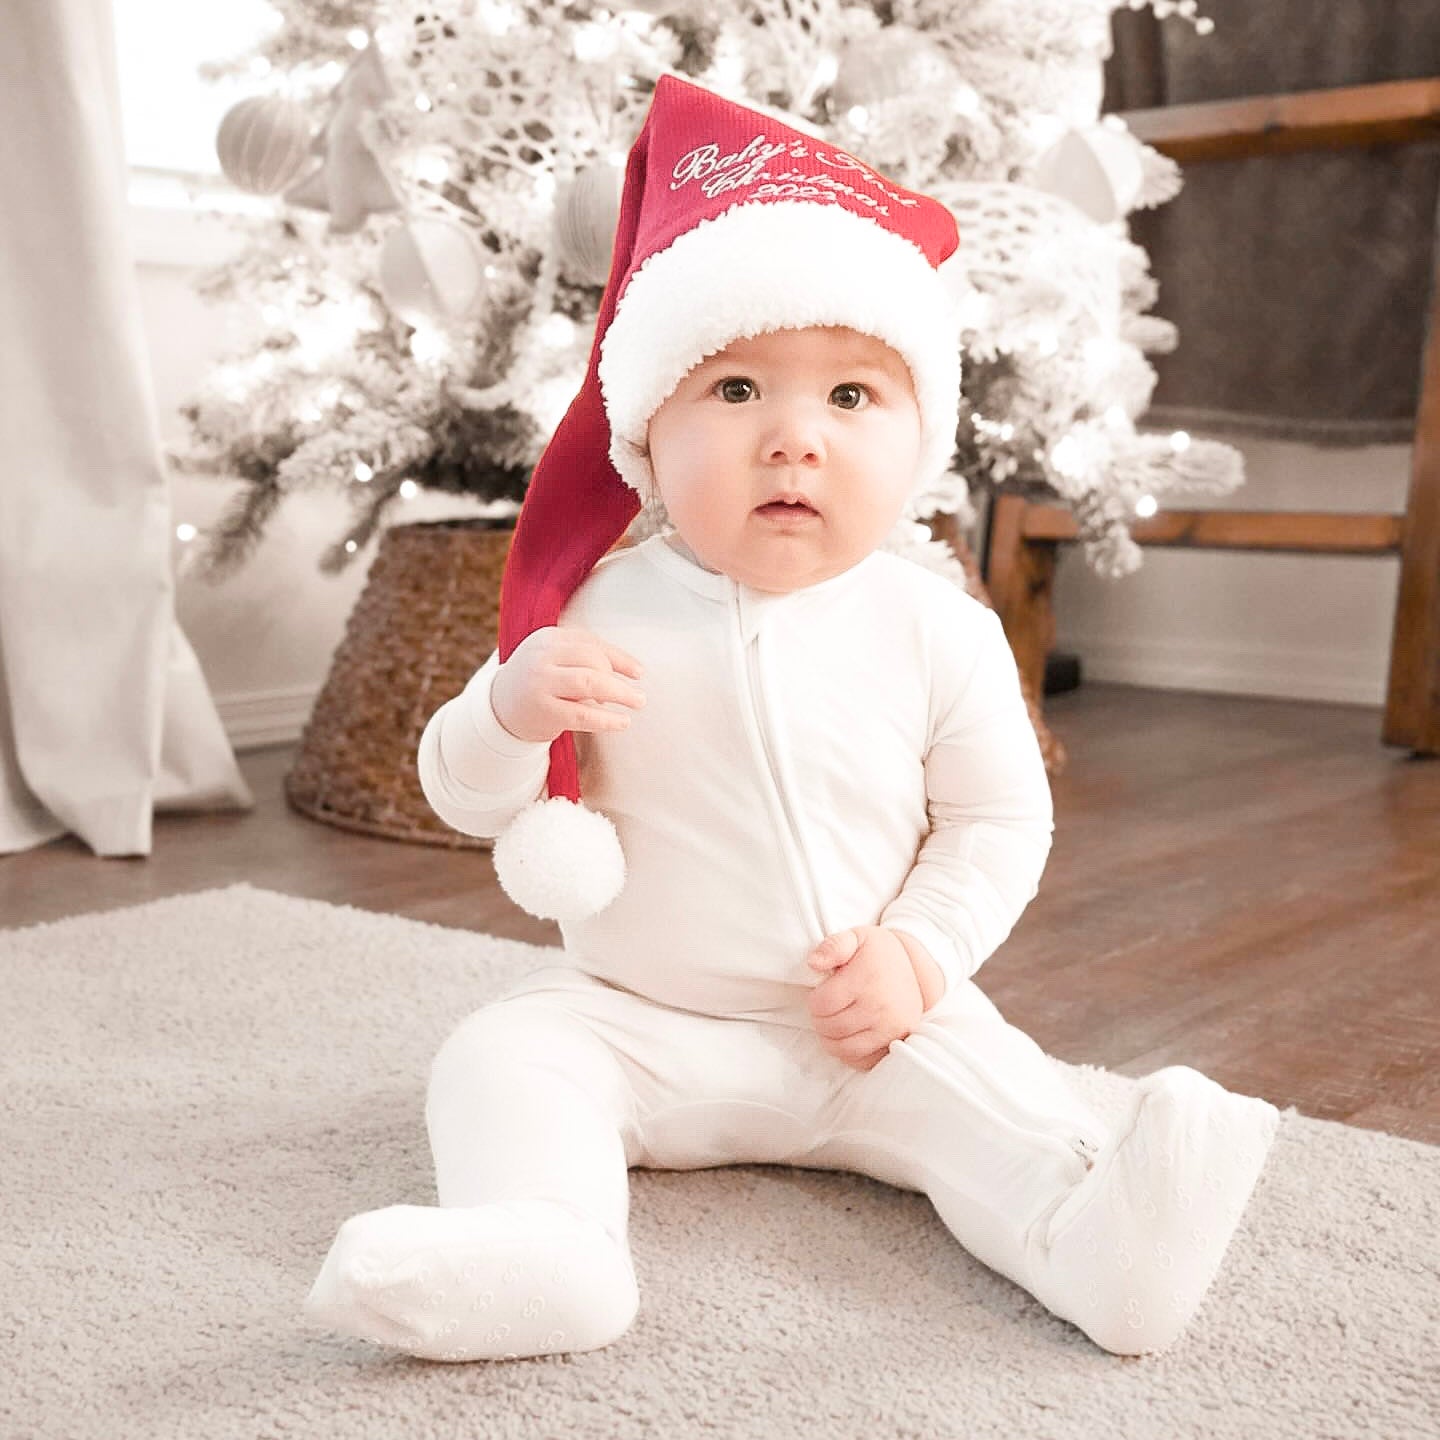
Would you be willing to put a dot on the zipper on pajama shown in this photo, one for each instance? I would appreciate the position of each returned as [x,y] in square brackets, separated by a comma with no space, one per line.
[1002,1106]
[806,893]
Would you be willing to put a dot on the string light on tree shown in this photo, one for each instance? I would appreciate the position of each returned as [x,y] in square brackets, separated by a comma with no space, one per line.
[229,381]
[433,167]
[558,332]
[993,429]
[967,100]
[1146,506]
[594,43]
[1067,459]
[429,346]
[498,17]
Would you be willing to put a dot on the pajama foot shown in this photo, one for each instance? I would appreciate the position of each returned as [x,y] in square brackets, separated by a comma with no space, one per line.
[1129,1253]
[495,1282]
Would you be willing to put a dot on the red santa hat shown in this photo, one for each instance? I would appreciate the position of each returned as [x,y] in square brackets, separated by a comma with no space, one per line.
[732,224]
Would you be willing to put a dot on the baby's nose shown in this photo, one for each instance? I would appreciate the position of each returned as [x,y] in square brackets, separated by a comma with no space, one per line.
[797,438]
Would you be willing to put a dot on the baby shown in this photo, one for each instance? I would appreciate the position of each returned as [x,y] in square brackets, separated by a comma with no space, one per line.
[816,806]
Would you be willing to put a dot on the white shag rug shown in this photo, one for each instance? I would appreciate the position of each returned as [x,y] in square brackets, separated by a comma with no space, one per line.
[197,1091]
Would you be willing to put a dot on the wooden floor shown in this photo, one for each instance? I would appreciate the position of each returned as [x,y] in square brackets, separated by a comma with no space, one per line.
[1251,887]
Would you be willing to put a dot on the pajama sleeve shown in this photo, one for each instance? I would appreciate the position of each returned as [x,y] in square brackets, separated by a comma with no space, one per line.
[475,774]
[990,812]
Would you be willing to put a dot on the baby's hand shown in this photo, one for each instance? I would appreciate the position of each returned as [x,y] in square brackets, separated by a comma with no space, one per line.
[870,995]
[561,679]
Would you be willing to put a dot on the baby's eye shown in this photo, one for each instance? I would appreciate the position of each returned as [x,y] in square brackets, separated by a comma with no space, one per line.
[736,390]
[850,397]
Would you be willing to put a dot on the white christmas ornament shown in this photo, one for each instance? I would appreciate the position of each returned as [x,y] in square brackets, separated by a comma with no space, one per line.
[350,182]
[432,271]
[586,213]
[560,861]
[263,143]
[897,63]
[1025,248]
[1099,170]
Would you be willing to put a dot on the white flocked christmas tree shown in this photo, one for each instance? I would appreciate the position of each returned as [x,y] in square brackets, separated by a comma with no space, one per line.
[446,176]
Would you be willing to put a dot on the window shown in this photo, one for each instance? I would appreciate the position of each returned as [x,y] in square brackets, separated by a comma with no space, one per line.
[170,114]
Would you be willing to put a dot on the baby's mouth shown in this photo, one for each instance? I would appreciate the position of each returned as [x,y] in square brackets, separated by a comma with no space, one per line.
[794,506]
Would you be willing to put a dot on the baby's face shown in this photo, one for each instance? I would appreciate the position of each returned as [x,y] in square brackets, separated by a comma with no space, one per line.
[824,414]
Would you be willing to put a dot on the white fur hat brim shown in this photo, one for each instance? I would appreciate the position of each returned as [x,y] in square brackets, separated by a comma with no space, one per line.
[778,265]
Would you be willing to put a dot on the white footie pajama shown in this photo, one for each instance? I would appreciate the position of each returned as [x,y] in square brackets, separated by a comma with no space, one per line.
[540,1103]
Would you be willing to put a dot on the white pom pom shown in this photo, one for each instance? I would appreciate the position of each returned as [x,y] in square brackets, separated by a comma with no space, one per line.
[560,861]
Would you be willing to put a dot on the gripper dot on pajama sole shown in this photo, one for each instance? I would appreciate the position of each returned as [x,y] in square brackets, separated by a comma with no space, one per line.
[498,1282]
[1130,1254]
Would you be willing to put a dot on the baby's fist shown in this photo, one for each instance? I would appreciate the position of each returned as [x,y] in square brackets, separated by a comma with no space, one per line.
[869,996]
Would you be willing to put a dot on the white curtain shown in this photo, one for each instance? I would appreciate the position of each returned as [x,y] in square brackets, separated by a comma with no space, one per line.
[104,714]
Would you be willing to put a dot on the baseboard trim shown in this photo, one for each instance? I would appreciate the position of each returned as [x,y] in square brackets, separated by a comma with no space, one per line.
[258,718]
[1344,678]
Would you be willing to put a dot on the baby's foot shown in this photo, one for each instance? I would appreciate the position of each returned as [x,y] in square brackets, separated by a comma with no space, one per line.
[1130,1252]
[495,1282]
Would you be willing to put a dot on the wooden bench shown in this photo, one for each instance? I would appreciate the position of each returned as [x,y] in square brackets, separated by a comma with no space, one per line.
[1023,537]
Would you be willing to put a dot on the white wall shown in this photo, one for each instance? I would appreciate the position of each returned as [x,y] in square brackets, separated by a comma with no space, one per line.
[1312,627]
[1308,627]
